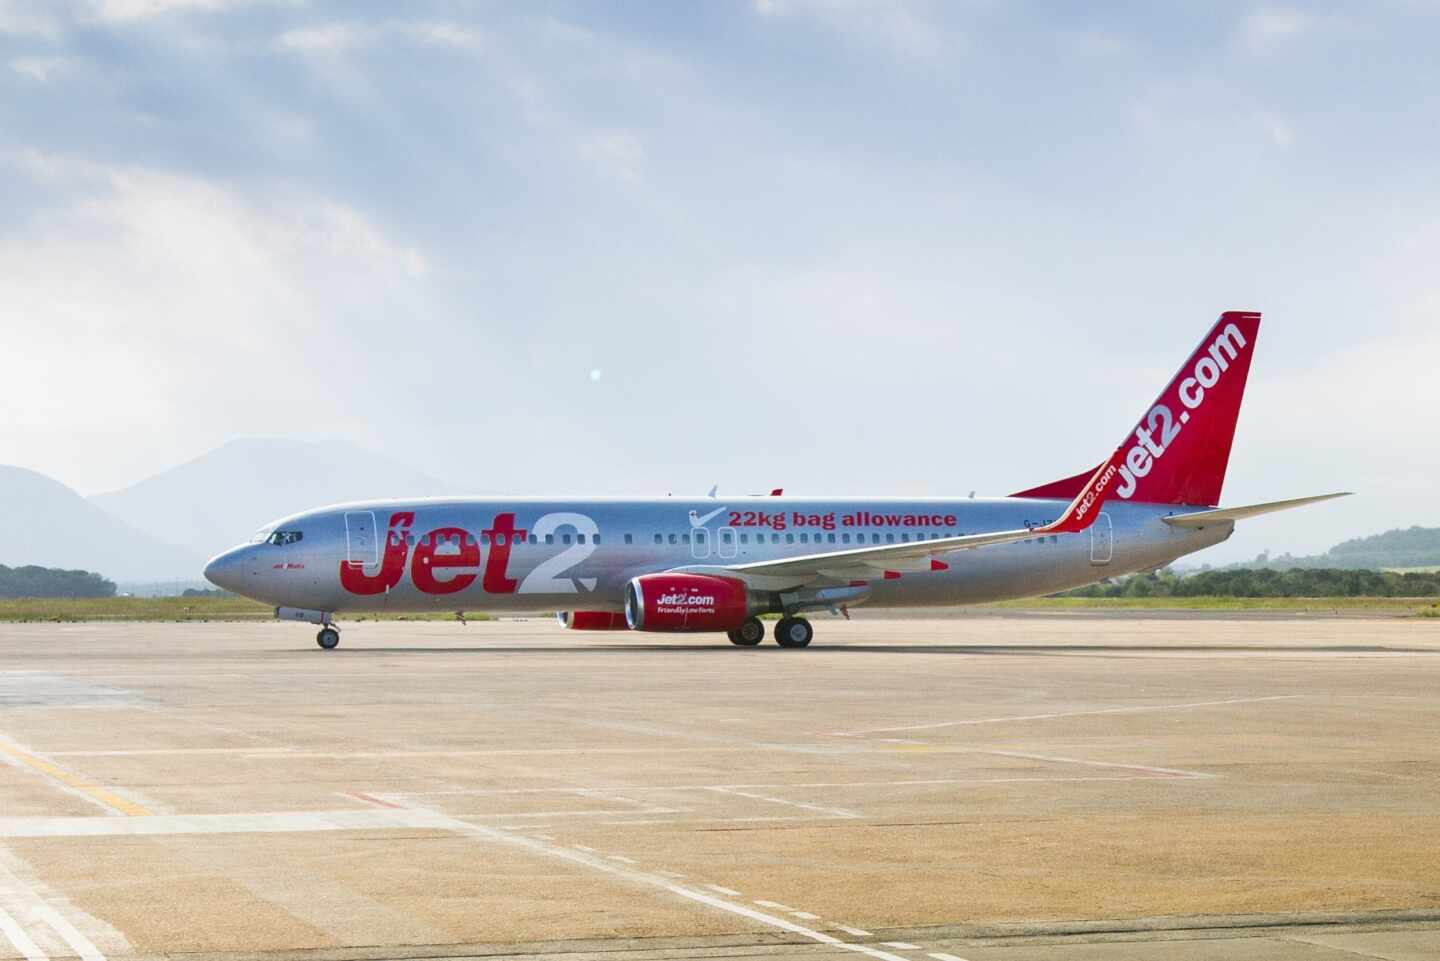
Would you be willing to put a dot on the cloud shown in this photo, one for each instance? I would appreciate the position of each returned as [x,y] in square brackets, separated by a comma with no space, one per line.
[41,69]
[164,299]
[340,37]
[618,153]
[893,24]
[1267,27]
[18,18]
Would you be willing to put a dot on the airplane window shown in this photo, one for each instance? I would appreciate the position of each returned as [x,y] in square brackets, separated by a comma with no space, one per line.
[593,540]
[727,537]
[830,538]
[1054,538]
[700,537]
[579,538]
[659,539]
[685,538]
[629,539]
[286,537]
[744,538]
[905,538]
[410,539]
[674,539]
[484,538]
[889,538]
[804,538]
[874,538]
[534,539]
[789,538]
[499,540]
[549,538]
[564,538]
[774,538]
[261,536]
[844,538]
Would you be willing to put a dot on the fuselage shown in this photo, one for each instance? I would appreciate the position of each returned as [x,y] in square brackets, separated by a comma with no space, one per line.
[563,554]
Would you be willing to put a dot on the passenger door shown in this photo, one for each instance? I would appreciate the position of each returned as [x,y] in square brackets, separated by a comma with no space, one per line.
[362,547]
[1102,540]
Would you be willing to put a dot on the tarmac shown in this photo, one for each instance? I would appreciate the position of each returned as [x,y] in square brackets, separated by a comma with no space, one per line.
[982,787]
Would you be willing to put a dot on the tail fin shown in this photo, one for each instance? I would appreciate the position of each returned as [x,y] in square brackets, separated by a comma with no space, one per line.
[1178,452]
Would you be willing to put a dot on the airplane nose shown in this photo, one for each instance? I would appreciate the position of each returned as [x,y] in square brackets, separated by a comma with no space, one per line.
[226,571]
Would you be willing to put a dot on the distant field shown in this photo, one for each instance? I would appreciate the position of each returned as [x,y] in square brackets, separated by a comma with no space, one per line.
[239,609]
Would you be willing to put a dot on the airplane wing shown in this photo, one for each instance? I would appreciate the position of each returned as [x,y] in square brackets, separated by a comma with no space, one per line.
[892,559]
[1219,514]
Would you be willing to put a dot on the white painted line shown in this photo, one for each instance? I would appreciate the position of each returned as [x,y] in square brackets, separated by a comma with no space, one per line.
[856,932]
[941,956]
[282,822]
[1142,709]
[542,837]
[901,945]
[1169,771]
[636,876]
[675,875]
[776,905]
[83,946]
[22,941]
[830,812]
[805,915]
[581,847]
[719,890]
[616,857]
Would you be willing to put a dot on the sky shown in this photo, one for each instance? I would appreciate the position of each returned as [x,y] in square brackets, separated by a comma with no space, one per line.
[839,246]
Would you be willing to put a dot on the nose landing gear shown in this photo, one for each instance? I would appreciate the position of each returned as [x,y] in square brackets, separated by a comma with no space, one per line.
[328,638]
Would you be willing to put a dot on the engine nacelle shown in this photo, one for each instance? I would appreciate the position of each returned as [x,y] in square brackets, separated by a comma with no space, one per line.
[592,620]
[688,602]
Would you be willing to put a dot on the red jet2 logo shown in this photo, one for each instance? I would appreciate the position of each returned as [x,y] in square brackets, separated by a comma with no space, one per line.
[428,564]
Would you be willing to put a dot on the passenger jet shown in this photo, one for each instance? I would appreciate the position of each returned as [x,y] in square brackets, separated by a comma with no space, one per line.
[673,564]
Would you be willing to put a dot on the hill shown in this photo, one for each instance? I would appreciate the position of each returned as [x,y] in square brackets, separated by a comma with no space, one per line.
[31,581]
[1407,547]
[49,525]
[219,499]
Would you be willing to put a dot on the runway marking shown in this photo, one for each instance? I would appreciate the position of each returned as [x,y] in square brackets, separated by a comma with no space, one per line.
[284,822]
[616,857]
[806,915]
[22,941]
[776,905]
[581,847]
[1168,771]
[901,945]
[1140,709]
[371,799]
[18,756]
[730,891]
[941,956]
[818,809]
[83,946]
[637,876]
[676,875]
[856,932]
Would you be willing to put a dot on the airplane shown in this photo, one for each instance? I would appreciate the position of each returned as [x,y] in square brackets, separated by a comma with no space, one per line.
[680,565]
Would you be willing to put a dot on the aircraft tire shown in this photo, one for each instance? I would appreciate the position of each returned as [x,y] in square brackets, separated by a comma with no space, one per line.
[748,634]
[328,638]
[793,632]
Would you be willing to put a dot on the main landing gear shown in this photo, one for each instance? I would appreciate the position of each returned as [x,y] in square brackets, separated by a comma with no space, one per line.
[749,634]
[793,632]
[328,638]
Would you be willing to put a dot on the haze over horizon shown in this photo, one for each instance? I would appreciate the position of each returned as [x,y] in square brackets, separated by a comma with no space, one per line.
[839,246]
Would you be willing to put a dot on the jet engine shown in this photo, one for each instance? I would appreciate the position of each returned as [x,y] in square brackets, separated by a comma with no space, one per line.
[689,602]
[592,620]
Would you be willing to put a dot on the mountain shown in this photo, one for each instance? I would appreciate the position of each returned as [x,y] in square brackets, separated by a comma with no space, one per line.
[219,499]
[49,525]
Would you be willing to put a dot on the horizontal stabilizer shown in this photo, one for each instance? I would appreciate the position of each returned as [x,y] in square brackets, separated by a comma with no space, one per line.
[1220,514]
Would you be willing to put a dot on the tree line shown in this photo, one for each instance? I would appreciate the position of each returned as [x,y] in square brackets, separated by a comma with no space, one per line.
[1299,582]
[31,581]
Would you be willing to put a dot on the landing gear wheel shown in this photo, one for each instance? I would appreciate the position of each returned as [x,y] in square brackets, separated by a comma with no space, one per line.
[793,632]
[748,634]
[328,638]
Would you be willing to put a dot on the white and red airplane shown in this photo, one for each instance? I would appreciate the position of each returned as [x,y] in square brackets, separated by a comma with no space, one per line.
[671,564]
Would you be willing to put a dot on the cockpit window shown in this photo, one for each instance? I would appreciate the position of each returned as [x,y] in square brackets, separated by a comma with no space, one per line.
[262,535]
[286,537]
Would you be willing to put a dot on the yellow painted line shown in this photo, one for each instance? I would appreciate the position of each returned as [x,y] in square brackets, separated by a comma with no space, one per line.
[57,773]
